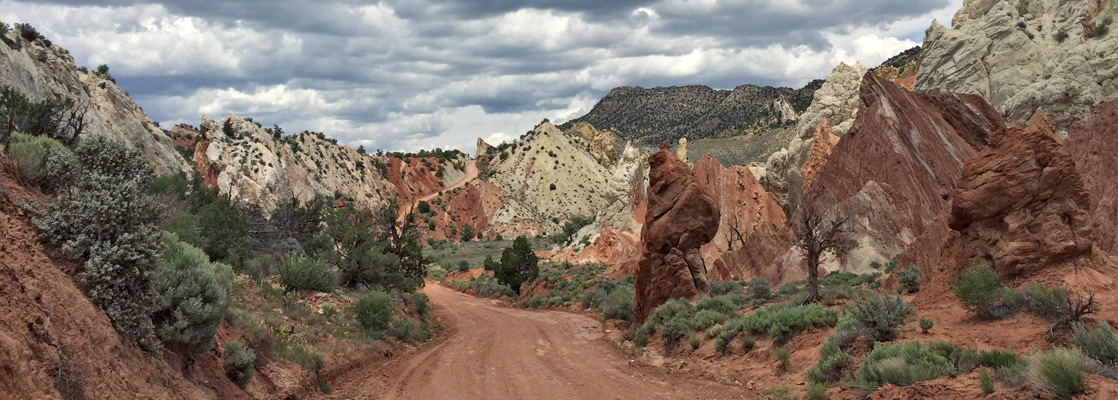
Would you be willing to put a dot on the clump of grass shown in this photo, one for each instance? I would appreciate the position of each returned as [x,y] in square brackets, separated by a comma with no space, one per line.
[985,381]
[926,324]
[1059,372]
[784,356]
[901,364]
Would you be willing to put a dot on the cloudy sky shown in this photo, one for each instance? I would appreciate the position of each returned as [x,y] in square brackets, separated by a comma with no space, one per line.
[410,74]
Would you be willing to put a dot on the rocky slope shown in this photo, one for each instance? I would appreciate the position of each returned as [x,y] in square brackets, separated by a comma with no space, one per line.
[682,216]
[251,166]
[669,113]
[1092,145]
[1023,56]
[836,103]
[42,71]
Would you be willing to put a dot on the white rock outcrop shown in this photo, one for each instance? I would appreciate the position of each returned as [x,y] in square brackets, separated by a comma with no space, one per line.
[837,103]
[1024,56]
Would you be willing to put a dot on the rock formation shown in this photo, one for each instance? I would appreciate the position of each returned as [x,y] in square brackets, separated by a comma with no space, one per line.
[1024,56]
[681,149]
[1092,144]
[600,144]
[41,72]
[650,116]
[897,167]
[252,167]
[682,216]
[1021,205]
[744,204]
[821,146]
[835,103]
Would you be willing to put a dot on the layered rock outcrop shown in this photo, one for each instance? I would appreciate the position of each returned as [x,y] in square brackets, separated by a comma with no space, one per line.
[682,216]
[600,143]
[1024,56]
[1093,144]
[250,166]
[898,165]
[42,72]
[821,146]
[745,208]
[1021,205]
[835,103]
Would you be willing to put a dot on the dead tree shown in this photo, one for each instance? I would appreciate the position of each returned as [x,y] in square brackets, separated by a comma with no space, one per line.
[735,234]
[819,232]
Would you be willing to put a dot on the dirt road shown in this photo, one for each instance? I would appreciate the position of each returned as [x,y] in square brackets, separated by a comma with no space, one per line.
[494,352]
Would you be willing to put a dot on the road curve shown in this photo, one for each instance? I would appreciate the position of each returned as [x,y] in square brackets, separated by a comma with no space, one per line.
[489,351]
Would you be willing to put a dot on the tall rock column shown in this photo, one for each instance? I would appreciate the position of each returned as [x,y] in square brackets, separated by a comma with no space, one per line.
[683,215]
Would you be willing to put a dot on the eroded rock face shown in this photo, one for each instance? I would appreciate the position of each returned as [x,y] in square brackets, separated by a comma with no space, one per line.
[745,207]
[1021,205]
[836,103]
[600,144]
[1093,144]
[251,167]
[682,216]
[1024,56]
[821,147]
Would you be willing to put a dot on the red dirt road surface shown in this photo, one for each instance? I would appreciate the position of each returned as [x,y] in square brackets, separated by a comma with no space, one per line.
[490,351]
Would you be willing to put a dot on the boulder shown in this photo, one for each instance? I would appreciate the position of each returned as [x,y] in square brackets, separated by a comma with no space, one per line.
[682,216]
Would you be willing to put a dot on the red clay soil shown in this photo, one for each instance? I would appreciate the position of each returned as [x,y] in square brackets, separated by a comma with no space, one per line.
[43,314]
[490,351]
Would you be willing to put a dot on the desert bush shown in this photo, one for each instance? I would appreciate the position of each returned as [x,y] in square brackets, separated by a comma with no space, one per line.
[926,324]
[640,337]
[258,266]
[747,343]
[43,161]
[1057,371]
[718,288]
[832,361]
[1048,303]
[909,278]
[901,364]
[463,266]
[675,329]
[406,330]
[670,310]
[695,341]
[373,312]
[1099,343]
[299,272]
[240,362]
[619,304]
[816,391]
[720,345]
[110,222]
[593,299]
[707,318]
[759,288]
[422,304]
[783,355]
[881,315]
[981,291]
[780,322]
[194,295]
[986,381]
[518,264]
[719,304]
[998,359]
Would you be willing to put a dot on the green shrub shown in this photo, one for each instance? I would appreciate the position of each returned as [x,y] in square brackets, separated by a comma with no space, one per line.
[998,359]
[881,315]
[194,295]
[780,322]
[43,161]
[747,343]
[519,264]
[719,304]
[619,304]
[759,289]
[695,342]
[1048,303]
[981,292]
[240,362]
[640,337]
[1061,35]
[783,355]
[832,361]
[1101,29]
[670,310]
[720,345]
[986,381]
[422,304]
[1057,371]
[406,330]
[707,318]
[718,288]
[594,298]
[1099,343]
[373,312]
[675,329]
[258,266]
[817,391]
[909,278]
[423,207]
[901,364]
[463,266]
[926,324]
[110,222]
[299,272]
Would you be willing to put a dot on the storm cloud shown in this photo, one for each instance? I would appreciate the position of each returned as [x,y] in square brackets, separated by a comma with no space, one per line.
[413,74]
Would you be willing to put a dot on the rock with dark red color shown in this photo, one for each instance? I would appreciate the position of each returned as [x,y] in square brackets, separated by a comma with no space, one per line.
[682,216]
[1021,205]
[1093,144]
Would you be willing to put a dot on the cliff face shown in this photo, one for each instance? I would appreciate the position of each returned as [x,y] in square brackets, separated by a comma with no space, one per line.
[1023,56]
[669,113]
[41,72]
[248,164]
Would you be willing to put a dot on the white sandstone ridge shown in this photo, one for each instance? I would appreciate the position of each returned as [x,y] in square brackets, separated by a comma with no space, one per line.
[552,175]
[43,72]
[1024,56]
[249,165]
[836,103]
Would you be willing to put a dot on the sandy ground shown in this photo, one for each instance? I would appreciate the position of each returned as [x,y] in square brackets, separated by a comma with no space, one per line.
[490,351]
